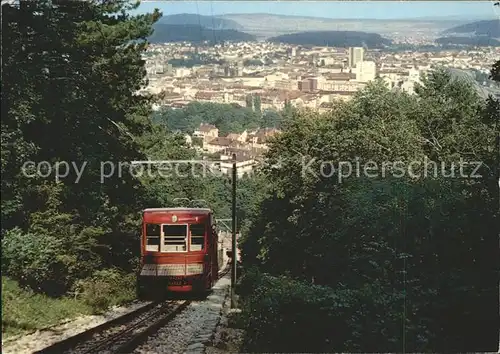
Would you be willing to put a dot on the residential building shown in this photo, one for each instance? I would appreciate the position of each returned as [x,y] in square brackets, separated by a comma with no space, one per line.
[207,132]
[216,145]
[245,164]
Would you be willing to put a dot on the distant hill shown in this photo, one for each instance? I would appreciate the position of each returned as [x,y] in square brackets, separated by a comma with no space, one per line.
[490,28]
[334,39]
[271,25]
[483,41]
[319,18]
[200,20]
[195,34]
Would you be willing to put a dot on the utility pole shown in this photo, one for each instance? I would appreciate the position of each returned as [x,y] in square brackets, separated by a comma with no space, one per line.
[233,266]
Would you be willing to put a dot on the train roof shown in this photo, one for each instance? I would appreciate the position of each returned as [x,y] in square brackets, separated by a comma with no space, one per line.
[187,210]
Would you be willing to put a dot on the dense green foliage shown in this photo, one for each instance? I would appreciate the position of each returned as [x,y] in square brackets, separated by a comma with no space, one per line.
[495,72]
[402,261]
[327,320]
[70,72]
[193,60]
[333,39]
[227,118]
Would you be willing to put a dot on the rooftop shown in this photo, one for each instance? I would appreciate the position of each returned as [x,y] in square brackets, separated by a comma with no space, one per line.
[188,210]
[220,141]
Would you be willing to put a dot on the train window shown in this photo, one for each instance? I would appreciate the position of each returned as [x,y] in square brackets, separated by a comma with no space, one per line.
[153,237]
[197,237]
[175,238]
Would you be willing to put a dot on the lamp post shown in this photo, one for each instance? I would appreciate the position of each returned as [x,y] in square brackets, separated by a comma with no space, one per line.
[233,266]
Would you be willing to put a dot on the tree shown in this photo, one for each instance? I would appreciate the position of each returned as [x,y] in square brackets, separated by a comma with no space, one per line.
[257,104]
[71,73]
[272,119]
[227,118]
[249,101]
[364,226]
[495,71]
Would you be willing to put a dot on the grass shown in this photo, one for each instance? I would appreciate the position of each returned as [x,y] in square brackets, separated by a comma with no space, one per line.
[23,311]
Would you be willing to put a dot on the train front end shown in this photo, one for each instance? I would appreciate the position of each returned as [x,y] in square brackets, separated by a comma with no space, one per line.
[176,251]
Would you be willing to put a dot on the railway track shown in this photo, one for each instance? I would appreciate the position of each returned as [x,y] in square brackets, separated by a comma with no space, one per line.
[125,333]
[224,271]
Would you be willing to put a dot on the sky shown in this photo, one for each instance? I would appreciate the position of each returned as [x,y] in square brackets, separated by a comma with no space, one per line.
[333,9]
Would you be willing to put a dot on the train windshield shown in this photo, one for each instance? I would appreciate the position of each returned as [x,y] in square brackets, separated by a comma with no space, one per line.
[197,237]
[174,238]
[153,234]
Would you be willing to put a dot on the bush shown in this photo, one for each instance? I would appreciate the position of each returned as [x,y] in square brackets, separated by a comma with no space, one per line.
[49,262]
[105,288]
[34,260]
[283,315]
[288,316]
[249,279]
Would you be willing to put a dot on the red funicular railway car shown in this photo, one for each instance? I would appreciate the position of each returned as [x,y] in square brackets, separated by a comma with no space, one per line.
[178,251]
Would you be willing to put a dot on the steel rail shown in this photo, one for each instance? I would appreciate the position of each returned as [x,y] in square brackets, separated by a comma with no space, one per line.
[138,338]
[75,341]
[72,341]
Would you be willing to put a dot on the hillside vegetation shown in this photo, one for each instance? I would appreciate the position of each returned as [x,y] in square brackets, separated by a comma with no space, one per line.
[211,22]
[490,28]
[227,118]
[164,33]
[333,39]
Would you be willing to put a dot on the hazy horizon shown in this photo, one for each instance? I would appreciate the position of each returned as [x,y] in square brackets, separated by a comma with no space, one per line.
[346,10]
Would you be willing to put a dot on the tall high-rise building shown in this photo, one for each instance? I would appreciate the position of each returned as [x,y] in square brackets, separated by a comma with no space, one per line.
[239,68]
[355,56]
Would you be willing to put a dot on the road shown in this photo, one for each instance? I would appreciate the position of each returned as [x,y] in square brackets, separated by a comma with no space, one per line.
[467,75]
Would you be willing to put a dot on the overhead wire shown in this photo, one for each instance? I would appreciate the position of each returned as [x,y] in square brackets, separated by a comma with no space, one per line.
[199,23]
[213,21]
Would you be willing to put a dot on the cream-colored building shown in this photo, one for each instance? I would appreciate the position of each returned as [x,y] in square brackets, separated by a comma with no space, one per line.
[366,71]
[207,132]
[244,165]
[216,145]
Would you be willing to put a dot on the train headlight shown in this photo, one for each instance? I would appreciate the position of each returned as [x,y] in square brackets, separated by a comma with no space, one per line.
[174,218]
